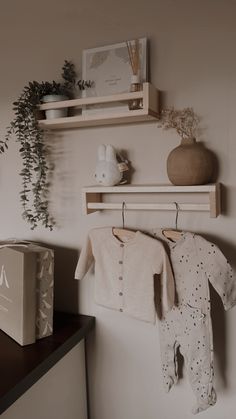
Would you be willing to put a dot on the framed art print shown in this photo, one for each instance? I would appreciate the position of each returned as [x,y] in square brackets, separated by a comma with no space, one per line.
[109,69]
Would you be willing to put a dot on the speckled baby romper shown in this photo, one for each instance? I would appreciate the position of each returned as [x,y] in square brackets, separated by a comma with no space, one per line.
[188,325]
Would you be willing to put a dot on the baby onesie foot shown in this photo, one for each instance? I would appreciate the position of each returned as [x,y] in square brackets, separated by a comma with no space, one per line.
[168,383]
[204,404]
[200,408]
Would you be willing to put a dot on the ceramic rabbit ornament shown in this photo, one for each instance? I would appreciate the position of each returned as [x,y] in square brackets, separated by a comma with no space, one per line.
[108,171]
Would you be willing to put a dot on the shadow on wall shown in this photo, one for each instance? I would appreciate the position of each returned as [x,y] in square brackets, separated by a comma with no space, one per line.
[65,287]
[219,327]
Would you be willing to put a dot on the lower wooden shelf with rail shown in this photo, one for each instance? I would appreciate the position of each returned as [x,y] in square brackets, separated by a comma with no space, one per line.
[92,198]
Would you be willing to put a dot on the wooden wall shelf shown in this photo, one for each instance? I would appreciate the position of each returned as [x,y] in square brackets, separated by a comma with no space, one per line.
[92,198]
[149,112]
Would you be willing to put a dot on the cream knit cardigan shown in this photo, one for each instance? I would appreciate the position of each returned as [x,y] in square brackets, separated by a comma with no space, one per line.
[124,272]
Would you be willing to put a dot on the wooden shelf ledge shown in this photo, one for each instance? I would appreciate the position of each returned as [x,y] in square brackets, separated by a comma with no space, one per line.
[92,198]
[149,111]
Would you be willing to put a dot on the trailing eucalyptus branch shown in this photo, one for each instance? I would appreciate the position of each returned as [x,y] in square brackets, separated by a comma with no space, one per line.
[3,145]
[33,150]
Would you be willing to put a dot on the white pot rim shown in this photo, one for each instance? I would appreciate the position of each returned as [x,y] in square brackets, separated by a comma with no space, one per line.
[53,98]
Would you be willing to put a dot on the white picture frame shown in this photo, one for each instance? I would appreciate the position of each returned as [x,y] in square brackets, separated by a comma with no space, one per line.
[109,69]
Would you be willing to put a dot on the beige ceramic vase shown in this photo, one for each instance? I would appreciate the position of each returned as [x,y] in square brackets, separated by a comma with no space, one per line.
[190,164]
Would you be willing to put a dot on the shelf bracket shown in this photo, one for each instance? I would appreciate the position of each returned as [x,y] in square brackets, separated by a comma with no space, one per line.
[90,198]
[215,201]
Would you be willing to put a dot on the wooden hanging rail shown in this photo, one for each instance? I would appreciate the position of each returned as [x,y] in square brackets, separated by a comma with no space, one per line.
[92,198]
[149,111]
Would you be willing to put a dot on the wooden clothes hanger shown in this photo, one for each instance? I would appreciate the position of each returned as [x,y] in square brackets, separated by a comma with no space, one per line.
[123,234]
[173,234]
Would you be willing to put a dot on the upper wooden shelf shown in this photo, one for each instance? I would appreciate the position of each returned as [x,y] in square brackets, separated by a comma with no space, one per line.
[92,198]
[149,111]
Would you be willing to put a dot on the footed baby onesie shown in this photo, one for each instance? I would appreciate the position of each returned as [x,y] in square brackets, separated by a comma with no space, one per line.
[195,261]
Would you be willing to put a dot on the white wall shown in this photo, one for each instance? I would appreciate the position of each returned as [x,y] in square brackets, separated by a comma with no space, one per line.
[193,63]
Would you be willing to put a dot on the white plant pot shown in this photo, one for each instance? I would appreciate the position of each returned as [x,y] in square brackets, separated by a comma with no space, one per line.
[55,113]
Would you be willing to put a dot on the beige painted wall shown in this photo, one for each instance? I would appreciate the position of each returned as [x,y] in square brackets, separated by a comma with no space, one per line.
[193,63]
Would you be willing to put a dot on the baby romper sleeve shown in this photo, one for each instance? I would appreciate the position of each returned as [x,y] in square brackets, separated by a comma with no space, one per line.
[85,259]
[163,267]
[218,271]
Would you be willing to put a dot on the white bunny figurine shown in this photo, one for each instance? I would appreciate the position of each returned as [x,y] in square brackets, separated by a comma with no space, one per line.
[107,170]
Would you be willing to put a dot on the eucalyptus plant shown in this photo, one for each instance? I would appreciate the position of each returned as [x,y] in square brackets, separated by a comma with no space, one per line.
[33,149]
[69,76]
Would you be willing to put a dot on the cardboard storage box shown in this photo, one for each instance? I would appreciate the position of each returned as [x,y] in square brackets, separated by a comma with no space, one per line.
[44,290]
[30,270]
[17,294]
